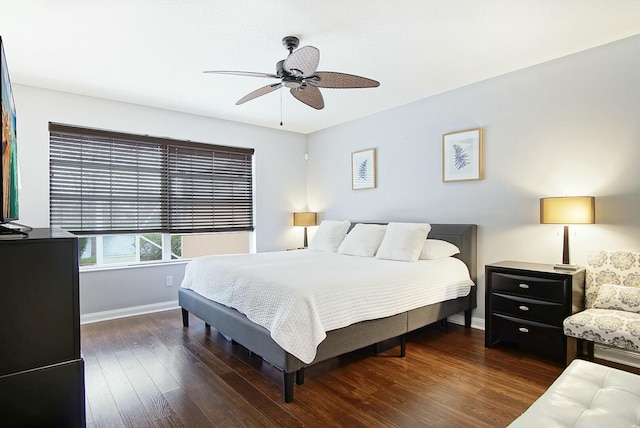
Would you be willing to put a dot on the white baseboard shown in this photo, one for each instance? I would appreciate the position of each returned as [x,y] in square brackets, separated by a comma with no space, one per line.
[127,312]
[477,323]
[617,355]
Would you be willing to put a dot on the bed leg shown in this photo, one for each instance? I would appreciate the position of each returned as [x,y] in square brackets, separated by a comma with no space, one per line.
[288,387]
[300,377]
[403,345]
[378,348]
[443,324]
[467,318]
[185,318]
[207,327]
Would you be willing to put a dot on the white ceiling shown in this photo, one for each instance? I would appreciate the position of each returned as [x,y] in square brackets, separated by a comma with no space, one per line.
[153,52]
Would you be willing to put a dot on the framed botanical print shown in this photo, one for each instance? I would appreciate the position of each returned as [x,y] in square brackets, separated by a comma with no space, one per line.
[462,155]
[363,169]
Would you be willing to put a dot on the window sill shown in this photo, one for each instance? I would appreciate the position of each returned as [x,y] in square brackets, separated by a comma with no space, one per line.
[84,269]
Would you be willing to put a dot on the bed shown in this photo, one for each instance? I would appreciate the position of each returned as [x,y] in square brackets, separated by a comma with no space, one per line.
[259,340]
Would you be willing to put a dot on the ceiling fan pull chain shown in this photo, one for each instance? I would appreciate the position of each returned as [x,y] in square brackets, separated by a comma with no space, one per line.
[280,106]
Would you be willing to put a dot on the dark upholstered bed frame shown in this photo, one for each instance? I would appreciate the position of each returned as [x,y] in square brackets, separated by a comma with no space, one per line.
[257,339]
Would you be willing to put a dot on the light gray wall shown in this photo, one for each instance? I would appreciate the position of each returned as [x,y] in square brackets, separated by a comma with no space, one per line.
[280,172]
[566,127]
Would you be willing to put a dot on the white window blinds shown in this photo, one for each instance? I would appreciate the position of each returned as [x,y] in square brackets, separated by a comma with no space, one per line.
[104,182]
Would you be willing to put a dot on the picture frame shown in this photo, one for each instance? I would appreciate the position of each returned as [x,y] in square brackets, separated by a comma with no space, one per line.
[462,155]
[363,169]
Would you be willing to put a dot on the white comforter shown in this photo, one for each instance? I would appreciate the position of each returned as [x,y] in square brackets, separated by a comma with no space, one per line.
[300,295]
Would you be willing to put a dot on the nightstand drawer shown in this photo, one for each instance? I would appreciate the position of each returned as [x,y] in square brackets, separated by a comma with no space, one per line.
[528,286]
[526,332]
[534,310]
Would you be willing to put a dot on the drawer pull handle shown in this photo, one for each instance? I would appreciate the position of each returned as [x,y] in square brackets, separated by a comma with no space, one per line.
[523,330]
[525,286]
[523,308]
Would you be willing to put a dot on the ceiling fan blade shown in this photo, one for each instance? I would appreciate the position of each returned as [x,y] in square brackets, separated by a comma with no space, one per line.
[310,95]
[243,73]
[330,79]
[258,93]
[303,62]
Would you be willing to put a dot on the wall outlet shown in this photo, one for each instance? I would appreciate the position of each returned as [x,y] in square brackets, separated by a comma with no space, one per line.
[169,281]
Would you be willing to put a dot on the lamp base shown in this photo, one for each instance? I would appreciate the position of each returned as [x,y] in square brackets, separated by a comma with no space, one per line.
[567,267]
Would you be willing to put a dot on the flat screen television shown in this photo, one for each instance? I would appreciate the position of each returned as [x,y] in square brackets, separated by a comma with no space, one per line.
[9,164]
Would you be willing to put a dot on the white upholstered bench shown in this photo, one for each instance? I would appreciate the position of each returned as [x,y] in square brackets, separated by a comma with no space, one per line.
[586,395]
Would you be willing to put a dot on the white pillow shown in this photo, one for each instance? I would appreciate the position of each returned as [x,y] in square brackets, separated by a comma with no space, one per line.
[363,240]
[403,241]
[437,249]
[329,235]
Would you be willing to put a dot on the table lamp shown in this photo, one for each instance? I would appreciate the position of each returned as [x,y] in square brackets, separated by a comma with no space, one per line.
[567,210]
[305,219]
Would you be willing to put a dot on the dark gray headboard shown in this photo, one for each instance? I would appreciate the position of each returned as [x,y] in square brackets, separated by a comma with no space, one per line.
[463,236]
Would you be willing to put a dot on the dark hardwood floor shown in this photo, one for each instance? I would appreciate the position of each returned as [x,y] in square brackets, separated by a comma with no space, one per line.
[150,371]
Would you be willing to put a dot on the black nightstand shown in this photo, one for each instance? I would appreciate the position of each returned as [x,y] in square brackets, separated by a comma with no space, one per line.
[527,302]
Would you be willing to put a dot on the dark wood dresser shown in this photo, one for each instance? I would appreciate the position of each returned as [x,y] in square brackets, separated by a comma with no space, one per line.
[41,369]
[527,302]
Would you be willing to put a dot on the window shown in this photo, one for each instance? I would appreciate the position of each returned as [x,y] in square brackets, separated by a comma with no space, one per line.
[138,196]
[114,250]
[110,250]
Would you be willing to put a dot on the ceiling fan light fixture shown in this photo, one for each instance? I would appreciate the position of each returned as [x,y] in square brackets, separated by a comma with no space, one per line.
[291,82]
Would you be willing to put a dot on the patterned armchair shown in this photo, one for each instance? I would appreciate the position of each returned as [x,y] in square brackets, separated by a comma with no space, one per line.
[612,302]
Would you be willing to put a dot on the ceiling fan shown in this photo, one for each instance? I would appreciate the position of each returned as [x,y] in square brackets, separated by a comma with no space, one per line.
[298,73]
